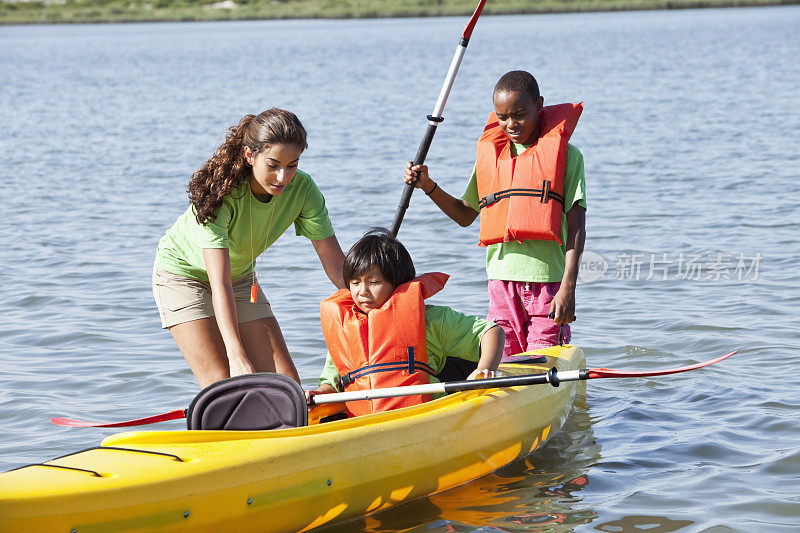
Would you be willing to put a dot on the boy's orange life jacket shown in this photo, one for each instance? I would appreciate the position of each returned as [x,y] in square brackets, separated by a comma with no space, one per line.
[522,197]
[385,348]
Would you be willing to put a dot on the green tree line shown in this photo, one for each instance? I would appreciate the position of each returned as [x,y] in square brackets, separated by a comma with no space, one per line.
[69,11]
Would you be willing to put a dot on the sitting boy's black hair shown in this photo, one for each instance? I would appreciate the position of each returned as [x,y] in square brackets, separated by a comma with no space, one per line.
[379,248]
[518,81]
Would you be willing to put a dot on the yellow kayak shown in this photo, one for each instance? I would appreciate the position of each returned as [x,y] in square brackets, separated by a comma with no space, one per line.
[289,479]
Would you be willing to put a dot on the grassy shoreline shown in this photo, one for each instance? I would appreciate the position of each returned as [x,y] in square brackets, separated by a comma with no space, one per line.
[99,11]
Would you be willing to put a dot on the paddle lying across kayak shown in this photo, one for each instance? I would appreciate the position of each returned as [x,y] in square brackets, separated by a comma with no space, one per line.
[552,376]
[299,478]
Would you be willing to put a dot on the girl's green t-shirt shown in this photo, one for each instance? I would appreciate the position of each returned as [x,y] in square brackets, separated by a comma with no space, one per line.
[246,227]
[534,261]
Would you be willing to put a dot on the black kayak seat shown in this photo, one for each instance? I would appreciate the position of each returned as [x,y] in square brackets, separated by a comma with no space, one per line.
[249,402]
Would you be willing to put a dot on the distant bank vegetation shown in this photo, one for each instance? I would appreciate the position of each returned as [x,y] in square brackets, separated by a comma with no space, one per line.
[66,11]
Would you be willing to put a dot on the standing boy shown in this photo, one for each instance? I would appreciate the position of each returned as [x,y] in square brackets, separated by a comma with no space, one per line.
[528,186]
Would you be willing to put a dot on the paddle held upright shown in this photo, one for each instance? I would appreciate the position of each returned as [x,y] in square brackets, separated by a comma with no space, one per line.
[436,117]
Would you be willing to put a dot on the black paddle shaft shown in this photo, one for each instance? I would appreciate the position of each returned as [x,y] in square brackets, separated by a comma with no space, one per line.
[436,116]
[408,190]
[551,377]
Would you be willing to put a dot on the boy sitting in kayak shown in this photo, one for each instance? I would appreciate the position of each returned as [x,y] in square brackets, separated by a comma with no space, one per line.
[528,187]
[380,333]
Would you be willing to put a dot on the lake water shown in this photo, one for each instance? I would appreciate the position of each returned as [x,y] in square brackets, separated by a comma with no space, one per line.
[691,145]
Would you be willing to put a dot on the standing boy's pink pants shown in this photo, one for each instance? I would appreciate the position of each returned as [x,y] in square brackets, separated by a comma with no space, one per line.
[521,308]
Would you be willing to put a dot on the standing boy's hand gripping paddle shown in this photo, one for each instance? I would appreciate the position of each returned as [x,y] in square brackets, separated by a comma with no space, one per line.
[435,118]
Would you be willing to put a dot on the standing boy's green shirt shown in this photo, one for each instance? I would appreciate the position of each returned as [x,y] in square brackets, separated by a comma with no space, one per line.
[242,226]
[534,261]
[448,333]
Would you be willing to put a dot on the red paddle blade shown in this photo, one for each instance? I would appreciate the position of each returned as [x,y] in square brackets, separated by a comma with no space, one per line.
[172,415]
[473,20]
[608,373]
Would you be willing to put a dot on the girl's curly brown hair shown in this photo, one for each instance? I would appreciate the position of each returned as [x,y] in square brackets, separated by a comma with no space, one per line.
[228,169]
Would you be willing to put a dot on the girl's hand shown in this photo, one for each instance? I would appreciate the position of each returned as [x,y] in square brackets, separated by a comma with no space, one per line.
[240,365]
[481,373]
[417,175]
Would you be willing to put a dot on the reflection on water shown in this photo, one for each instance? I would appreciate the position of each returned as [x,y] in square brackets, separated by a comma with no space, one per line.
[634,524]
[540,492]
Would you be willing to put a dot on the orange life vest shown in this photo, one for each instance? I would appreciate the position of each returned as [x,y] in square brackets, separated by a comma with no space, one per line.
[522,197]
[385,348]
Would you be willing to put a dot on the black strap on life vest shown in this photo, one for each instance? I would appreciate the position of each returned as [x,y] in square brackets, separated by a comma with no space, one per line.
[410,366]
[544,194]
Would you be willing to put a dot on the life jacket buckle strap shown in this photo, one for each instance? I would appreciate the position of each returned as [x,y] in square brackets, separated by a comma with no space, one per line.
[346,380]
[488,200]
[395,366]
[545,194]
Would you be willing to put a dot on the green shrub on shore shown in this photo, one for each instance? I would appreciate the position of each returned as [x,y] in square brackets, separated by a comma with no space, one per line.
[48,11]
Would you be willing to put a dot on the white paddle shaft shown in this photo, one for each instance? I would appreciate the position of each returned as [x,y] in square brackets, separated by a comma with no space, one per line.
[448,82]
[374,394]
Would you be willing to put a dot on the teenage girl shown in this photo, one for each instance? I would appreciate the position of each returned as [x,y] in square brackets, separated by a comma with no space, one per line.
[204,279]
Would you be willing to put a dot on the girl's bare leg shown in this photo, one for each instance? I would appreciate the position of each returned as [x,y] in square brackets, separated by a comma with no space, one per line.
[201,345]
[266,348]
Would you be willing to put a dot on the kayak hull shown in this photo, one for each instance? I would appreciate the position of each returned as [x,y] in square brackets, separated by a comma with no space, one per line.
[291,479]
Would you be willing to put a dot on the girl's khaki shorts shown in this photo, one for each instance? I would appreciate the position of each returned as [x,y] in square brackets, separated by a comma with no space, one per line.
[181,299]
